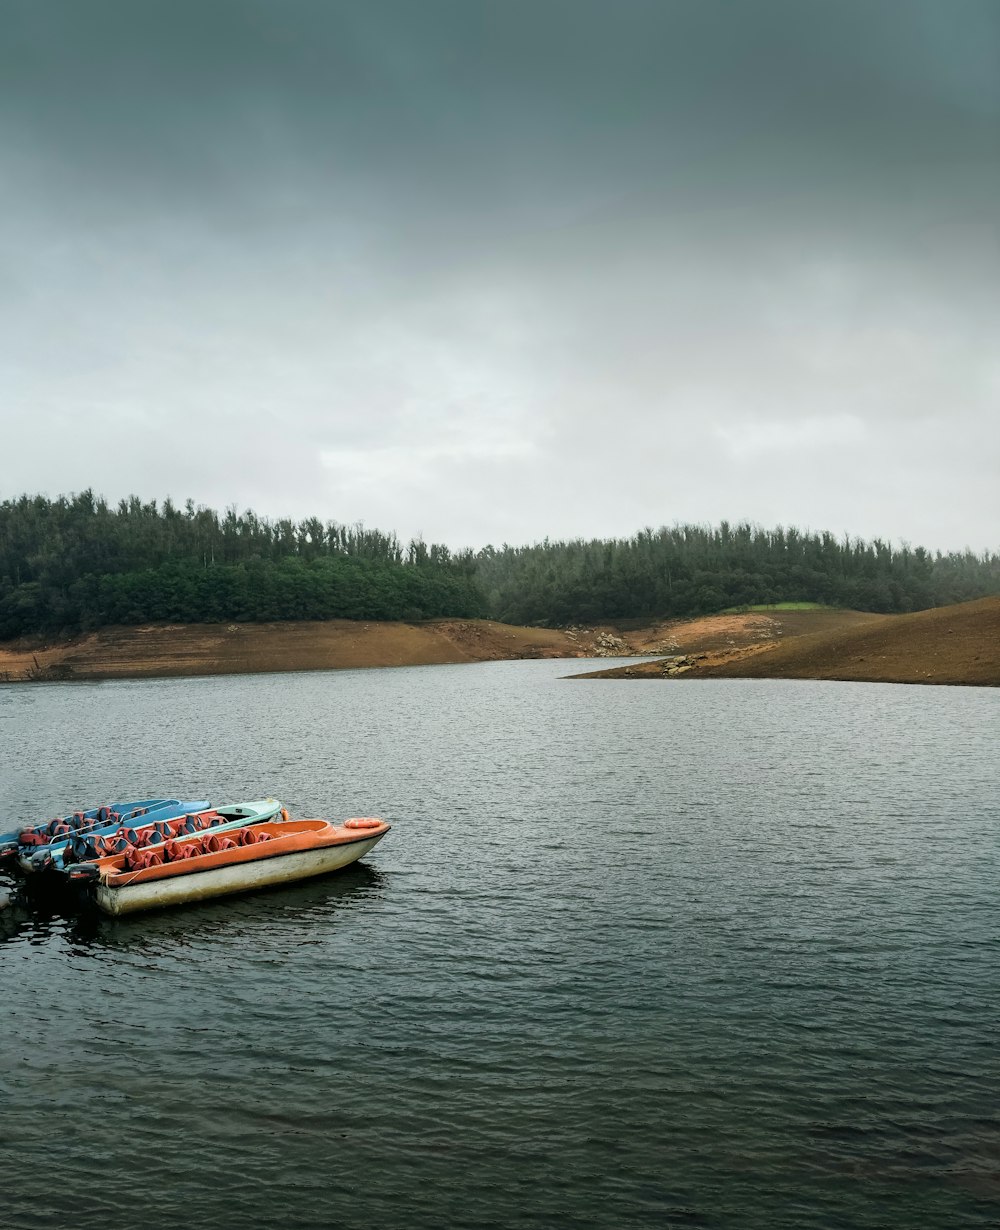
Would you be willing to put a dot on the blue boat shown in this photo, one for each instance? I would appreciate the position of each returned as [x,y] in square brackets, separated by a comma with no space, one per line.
[33,859]
[78,822]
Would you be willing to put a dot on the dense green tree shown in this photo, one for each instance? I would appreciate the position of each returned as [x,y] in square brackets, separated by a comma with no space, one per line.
[75,562]
[690,570]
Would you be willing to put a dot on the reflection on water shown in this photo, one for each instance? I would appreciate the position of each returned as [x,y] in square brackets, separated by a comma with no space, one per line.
[720,954]
[36,917]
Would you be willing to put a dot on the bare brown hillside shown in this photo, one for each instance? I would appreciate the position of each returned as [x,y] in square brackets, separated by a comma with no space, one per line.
[949,645]
[221,649]
[224,649]
[716,633]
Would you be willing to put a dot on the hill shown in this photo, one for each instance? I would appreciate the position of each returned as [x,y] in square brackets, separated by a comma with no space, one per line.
[957,644]
[153,650]
[948,645]
[76,564]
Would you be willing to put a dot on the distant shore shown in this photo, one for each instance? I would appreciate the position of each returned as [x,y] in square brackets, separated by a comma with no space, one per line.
[955,645]
[164,650]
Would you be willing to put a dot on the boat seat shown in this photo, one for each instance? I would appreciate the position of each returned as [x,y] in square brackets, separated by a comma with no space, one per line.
[150,856]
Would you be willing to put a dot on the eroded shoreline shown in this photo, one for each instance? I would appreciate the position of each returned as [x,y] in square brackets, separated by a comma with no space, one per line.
[953,645]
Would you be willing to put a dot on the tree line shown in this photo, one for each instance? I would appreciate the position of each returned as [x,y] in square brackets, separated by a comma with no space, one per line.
[77,563]
[691,570]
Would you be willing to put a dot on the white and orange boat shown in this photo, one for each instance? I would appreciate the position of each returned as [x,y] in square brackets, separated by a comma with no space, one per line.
[206,865]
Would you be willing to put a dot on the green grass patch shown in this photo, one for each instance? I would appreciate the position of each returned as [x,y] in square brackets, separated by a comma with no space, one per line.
[777,606]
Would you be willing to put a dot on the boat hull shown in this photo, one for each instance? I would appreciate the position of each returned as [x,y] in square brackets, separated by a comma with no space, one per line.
[235,878]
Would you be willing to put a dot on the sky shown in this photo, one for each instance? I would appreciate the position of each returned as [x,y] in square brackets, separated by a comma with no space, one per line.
[492,271]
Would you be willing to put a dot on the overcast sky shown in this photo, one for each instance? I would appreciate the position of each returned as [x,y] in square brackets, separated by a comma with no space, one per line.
[495,270]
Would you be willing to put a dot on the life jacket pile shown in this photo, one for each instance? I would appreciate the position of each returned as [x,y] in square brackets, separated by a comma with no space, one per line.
[87,849]
[154,855]
[78,823]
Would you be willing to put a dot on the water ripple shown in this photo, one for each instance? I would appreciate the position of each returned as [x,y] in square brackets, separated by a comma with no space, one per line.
[723,955]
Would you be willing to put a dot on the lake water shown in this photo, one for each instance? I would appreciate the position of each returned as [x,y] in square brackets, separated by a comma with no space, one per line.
[691,953]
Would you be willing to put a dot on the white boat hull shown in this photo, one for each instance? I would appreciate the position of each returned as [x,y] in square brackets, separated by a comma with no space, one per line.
[237,878]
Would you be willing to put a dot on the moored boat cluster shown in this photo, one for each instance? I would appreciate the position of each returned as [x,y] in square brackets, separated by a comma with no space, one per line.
[147,853]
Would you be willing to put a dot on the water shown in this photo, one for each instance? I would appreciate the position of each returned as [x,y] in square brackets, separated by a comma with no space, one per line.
[701,953]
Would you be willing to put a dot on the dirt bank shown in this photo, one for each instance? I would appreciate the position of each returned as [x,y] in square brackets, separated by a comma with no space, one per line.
[949,645]
[225,649]
[719,633]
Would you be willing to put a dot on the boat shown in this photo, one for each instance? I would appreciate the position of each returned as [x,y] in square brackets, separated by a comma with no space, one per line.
[77,822]
[102,848]
[33,858]
[203,866]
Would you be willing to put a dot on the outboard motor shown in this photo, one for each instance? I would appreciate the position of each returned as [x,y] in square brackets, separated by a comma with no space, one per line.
[81,872]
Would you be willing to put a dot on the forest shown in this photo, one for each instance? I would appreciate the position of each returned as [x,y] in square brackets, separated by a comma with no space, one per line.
[76,563]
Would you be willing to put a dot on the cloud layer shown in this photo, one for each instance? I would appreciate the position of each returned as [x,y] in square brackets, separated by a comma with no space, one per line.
[497,272]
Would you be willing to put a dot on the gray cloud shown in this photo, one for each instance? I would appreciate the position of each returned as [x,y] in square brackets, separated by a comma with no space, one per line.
[496,271]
